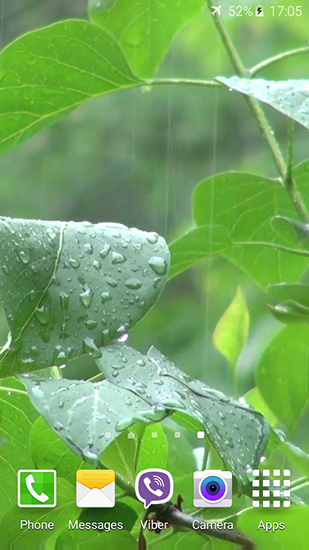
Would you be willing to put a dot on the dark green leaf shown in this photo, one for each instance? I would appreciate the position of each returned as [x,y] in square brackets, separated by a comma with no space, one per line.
[87,416]
[16,417]
[289,97]
[14,538]
[285,292]
[69,288]
[238,433]
[119,513]
[51,71]
[143,29]
[282,374]
[296,456]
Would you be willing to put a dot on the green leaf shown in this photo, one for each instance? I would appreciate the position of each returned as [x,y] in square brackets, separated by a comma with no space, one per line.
[293,230]
[68,288]
[296,456]
[238,433]
[289,97]
[294,534]
[196,246]
[93,540]
[143,29]
[244,205]
[49,452]
[254,398]
[119,513]
[231,332]
[13,537]
[285,292]
[152,452]
[282,375]
[16,417]
[121,455]
[87,416]
[51,71]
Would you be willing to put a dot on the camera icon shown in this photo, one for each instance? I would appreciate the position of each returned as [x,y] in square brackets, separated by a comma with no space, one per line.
[212,489]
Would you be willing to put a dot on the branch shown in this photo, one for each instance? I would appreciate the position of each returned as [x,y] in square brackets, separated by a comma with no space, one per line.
[170,513]
[185,81]
[258,113]
[264,64]
[289,182]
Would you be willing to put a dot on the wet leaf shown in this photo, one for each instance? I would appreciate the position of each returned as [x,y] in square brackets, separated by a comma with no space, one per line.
[238,433]
[282,375]
[143,29]
[51,71]
[87,416]
[231,332]
[289,97]
[68,288]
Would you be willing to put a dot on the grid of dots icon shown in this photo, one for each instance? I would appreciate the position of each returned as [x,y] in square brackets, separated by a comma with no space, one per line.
[261,488]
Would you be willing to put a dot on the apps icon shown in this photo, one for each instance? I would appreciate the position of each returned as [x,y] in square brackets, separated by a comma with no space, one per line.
[36,488]
[271,493]
[154,486]
[95,488]
[212,489]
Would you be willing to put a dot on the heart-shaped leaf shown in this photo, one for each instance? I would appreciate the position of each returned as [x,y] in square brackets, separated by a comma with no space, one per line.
[144,29]
[88,416]
[289,97]
[68,288]
[49,72]
[238,432]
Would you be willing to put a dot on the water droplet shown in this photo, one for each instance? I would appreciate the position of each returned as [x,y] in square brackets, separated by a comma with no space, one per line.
[115,373]
[90,324]
[141,362]
[64,300]
[97,265]
[118,258]
[123,337]
[174,403]
[124,424]
[105,250]
[5,269]
[90,347]
[74,263]
[86,296]
[88,248]
[158,264]
[42,314]
[111,282]
[133,284]
[106,297]
[24,256]
[152,237]
[51,233]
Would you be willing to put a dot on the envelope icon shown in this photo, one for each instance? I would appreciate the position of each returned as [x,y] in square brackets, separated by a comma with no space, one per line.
[95,488]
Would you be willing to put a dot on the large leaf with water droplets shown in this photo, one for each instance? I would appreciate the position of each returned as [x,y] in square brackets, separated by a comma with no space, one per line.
[144,29]
[47,73]
[244,206]
[87,416]
[238,432]
[289,97]
[68,288]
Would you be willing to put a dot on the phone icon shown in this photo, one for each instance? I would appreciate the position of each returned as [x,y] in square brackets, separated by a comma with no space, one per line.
[29,482]
[36,488]
[154,486]
[156,492]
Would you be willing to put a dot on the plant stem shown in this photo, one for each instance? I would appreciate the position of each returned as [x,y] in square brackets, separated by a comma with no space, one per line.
[289,182]
[96,377]
[177,81]
[300,487]
[259,115]
[265,64]
[299,481]
[126,486]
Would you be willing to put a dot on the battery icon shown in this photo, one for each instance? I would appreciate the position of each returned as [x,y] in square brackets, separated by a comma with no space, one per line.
[259,12]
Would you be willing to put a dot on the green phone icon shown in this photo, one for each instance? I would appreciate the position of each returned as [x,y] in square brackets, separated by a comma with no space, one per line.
[37,488]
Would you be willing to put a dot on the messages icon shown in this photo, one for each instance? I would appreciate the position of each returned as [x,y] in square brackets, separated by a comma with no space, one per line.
[95,488]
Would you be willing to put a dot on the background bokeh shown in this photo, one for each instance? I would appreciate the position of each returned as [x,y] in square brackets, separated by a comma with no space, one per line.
[134,157]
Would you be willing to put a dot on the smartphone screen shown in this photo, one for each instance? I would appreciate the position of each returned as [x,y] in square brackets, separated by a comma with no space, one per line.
[154,279]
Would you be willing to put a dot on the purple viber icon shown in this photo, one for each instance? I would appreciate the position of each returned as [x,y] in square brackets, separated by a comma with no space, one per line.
[154,486]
